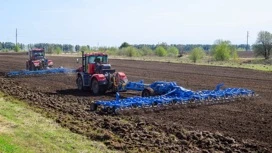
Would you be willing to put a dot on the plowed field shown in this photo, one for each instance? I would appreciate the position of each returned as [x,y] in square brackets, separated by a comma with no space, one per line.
[243,126]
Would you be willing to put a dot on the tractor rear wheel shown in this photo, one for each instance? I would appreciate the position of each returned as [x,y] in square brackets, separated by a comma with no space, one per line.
[147,92]
[98,89]
[79,82]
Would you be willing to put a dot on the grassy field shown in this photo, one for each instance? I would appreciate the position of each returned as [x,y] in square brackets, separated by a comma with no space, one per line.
[255,64]
[23,130]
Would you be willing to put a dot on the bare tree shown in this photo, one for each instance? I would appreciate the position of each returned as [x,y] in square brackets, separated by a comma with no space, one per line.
[263,46]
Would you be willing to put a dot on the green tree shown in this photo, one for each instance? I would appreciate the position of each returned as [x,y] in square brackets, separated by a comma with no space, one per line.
[221,50]
[263,46]
[146,51]
[88,46]
[9,45]
[16,48]
[234,55]
[58,50]
[68,48]
[22,46]
[84,48]
[50,49]
[172,51]
[77,48]
[112,51]
[29,46]
[1,46]
[164,45]
[196,54]
[160,51]
[131,51]
[124,45]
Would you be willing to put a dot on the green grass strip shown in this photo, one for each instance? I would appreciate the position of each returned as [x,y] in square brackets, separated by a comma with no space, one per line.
[23,130]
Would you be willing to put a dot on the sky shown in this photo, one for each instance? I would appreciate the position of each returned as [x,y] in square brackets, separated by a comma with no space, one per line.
[111,22]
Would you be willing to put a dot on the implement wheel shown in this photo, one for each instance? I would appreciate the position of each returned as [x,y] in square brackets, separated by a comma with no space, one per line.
[93,107]
[147,92]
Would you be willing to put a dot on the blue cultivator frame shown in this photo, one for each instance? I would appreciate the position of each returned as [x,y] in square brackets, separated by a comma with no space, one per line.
[137,86]
[169,93]
[39,72]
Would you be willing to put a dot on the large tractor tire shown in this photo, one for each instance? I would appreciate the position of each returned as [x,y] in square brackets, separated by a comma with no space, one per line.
[32,67]
[79,83]
[147,92]
[27,66]
[98,89]
[43,65]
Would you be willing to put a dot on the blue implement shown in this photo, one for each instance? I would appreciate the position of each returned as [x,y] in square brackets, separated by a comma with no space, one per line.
[39,72]
[167,93]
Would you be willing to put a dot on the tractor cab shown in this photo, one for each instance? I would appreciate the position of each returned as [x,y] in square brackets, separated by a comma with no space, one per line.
[96,63]
[36,54]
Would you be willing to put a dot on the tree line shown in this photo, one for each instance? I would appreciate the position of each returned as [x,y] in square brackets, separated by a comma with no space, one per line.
[10,46]
[76,48]
[189,47]
[262,47]
[47,46]
[223,50]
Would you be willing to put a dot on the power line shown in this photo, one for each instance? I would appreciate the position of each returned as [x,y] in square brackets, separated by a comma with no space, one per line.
[16,36]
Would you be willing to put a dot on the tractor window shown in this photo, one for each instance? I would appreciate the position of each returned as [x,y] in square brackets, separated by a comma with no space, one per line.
[35,54]
[103,59]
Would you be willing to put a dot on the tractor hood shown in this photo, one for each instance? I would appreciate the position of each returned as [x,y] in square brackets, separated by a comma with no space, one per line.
[50,62]
[106,66]
[36,63]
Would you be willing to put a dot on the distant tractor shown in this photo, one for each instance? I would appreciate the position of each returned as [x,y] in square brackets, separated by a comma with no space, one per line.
[37,60]
[96,74]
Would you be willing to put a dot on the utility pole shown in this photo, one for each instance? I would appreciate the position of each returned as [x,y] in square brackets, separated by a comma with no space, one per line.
[16,36]
[247,41]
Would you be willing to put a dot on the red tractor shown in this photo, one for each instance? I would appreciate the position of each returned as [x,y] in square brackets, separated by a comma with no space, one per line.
[37,60]
[97,75]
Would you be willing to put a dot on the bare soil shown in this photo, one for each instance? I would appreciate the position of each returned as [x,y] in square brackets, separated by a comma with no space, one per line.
[244,126]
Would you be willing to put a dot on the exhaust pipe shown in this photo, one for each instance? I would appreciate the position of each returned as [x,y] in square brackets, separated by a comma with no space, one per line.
[83,61]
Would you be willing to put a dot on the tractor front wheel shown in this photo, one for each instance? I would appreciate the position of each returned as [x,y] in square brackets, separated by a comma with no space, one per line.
[27,66]
[32,67]
[79,82]
[98,89]
[147,92]
[95,87]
